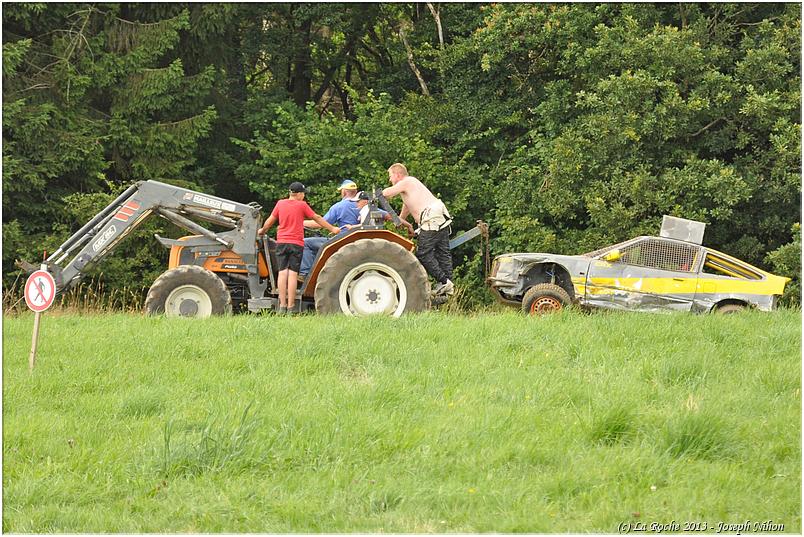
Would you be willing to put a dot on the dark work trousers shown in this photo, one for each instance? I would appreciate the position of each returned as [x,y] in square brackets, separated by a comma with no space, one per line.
[434,254]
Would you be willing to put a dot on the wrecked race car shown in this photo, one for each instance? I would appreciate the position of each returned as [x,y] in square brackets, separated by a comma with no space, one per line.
[671,272]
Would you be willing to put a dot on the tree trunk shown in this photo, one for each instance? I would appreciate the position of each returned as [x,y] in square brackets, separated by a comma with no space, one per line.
[412,64]
[302,64]
[347,110]
[437,16]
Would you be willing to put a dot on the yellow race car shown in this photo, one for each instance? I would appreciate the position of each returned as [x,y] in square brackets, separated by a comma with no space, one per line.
[672,272]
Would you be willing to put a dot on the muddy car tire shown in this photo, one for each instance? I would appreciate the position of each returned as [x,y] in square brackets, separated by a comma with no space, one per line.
[188,291]
[727,309]
[372,276]
[545,298]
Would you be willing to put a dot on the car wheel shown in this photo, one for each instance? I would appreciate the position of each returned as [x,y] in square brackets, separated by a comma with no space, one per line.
[730,308]
[545,298]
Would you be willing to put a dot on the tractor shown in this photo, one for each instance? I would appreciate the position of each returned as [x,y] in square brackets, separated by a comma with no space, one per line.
[366,270]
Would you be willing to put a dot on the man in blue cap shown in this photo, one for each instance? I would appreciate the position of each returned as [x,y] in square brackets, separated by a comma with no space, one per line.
[342,214]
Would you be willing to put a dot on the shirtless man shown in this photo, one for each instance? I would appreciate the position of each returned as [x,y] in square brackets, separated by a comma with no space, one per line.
[433,219]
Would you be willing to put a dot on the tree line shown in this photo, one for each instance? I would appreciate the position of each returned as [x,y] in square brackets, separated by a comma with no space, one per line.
[565,126]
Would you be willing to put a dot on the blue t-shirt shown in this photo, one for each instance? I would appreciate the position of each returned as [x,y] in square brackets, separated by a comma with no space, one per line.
[342,213]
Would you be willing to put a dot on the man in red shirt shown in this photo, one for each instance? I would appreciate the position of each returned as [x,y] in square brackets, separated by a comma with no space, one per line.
[291,213]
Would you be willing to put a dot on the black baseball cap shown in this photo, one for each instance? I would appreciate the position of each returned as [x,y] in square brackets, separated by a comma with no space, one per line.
[362,195]
[297,187]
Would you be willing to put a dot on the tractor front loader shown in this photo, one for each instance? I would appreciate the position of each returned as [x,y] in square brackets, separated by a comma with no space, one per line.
[367,270]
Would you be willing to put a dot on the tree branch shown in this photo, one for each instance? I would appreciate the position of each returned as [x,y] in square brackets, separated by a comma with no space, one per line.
[757,23]
[339,60]
[256,75]
[376,55]
[412,64]
[437,17]
[707,127]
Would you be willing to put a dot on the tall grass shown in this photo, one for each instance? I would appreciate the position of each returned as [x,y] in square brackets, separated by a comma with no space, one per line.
[91,296]
[88,296]
[431,423]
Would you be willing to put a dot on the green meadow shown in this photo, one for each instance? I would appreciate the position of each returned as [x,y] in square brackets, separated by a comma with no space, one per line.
[432,423]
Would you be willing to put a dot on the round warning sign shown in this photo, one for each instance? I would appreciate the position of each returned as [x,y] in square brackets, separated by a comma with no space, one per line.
[40,290]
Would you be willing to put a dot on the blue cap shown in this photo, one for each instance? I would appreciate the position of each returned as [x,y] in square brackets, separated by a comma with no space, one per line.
[348,184]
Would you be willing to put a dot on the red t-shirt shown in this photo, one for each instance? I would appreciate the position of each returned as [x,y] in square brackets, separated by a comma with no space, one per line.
[291,215]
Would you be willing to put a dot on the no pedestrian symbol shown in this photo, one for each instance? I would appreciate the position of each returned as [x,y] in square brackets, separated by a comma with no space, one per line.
[40,290]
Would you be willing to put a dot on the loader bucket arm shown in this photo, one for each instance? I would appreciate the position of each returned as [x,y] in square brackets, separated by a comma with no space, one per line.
[480,230]
[379,199]
[98,237]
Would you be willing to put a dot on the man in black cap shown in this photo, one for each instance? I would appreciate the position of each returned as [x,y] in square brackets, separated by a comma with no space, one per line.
[291,213]
[363,207]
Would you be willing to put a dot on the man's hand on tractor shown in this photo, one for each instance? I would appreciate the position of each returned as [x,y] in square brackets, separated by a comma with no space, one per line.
[408,226]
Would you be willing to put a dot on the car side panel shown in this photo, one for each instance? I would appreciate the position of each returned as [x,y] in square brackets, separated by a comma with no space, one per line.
[631,287]
[619,285]
[761,294]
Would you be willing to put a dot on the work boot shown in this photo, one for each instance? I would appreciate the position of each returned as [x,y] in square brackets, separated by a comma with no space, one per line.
[447,288]
[436,289]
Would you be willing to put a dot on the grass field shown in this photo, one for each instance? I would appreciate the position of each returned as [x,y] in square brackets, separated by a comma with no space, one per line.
[430,423]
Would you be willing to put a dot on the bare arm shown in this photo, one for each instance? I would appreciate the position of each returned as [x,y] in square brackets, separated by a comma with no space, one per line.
[394,190]
[403,214]
[407,225]
[312,224]
[323,223]
[269,222]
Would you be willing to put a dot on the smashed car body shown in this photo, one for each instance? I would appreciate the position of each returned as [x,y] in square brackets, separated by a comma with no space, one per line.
[672,272]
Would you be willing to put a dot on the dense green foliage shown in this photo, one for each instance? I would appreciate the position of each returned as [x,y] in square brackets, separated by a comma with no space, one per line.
[565,126]
[571,423]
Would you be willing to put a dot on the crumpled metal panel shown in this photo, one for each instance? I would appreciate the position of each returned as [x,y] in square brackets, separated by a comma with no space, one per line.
[680,285]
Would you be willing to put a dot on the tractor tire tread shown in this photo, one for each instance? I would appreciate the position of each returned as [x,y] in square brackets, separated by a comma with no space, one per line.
[384,251]
[183,275]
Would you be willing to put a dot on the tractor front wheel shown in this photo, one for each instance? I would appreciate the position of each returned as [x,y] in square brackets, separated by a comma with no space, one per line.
[188,291]
[372,276]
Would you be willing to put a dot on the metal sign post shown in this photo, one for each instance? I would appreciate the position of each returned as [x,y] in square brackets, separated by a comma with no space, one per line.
[40,290]
[34,338]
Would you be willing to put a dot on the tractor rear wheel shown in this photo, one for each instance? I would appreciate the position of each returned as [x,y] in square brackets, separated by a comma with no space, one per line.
[188,291]
[545,298]
[372,276]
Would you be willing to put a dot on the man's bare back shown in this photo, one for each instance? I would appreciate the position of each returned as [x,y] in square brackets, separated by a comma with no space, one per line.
[415,196]
[432,248]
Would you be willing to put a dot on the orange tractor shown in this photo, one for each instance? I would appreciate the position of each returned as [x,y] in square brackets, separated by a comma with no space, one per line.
[367,270]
